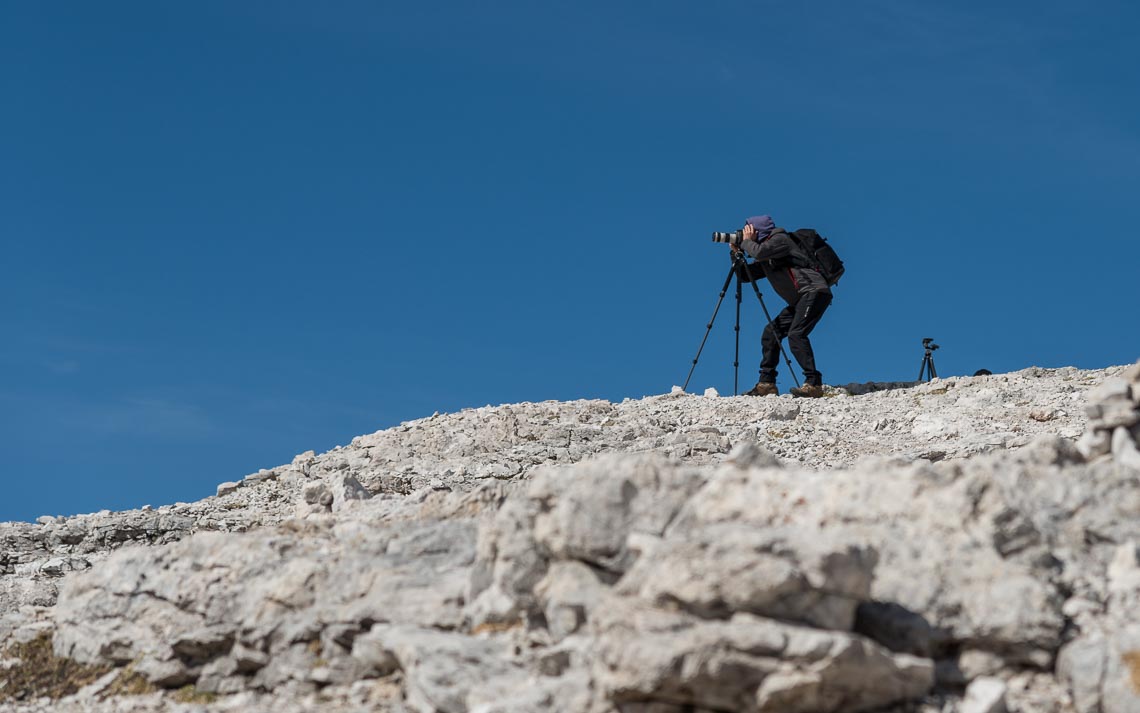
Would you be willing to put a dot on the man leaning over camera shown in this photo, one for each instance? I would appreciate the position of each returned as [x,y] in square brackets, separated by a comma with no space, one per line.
[781,260]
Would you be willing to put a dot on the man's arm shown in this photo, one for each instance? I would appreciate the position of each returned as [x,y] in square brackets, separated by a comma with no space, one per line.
[777,245]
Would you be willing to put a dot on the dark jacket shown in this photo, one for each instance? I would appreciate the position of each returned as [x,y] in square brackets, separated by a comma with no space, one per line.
[783,262]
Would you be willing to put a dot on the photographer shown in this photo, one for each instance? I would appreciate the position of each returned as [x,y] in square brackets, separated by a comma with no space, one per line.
[783,262]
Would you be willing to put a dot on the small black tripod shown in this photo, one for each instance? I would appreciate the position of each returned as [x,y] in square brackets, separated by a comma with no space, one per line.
[928,360]
[738,266]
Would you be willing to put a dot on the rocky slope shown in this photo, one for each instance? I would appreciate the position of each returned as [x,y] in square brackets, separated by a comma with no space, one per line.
[968,545]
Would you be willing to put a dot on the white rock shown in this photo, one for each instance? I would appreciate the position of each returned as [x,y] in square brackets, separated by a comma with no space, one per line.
[1124,449]
[984,695]
[1124,570]
[617,529]
[1094,443]
[1110,390]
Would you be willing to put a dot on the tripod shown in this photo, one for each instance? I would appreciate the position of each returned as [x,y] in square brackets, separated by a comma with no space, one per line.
[928,360]
[738,265]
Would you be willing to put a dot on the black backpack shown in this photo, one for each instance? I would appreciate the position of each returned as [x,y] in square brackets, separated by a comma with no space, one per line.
[822,255]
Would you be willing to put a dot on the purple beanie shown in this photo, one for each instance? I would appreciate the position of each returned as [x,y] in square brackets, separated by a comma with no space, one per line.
[763,224]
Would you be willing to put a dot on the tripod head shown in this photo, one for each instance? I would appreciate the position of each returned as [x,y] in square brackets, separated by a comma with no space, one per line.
[929,345]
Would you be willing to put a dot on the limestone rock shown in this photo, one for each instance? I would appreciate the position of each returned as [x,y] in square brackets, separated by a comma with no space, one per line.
[719,569]
[442,668]
[745,663]
[567,594]
[899,547]
[985,695]
[227,488]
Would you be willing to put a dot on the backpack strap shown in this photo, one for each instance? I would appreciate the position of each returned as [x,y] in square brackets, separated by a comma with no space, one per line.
[813,261]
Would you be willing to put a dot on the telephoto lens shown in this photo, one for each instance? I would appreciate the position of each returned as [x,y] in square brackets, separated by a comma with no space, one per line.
[733,238]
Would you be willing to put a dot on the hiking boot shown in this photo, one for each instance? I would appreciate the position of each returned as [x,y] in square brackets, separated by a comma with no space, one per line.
[807,391]
[763,388]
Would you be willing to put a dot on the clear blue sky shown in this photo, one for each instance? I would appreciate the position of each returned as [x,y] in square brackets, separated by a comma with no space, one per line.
[235,231]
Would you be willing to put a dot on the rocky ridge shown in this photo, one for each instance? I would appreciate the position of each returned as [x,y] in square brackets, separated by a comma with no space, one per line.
[967,545]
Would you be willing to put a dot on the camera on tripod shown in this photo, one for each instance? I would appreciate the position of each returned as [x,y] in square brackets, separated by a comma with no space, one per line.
[734,238]
[927,369]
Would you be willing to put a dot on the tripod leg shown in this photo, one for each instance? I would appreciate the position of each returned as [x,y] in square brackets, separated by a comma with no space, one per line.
[933,373]
[922,369]
[736,358]
[781,341]
[723,292]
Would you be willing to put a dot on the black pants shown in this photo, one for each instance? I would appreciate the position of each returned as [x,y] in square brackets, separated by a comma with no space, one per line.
[795,322]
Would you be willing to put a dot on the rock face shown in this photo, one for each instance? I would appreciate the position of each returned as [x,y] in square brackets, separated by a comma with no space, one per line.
[969,545]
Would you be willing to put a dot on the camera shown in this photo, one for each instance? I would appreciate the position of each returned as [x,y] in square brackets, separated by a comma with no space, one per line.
[733,238]
[929,344]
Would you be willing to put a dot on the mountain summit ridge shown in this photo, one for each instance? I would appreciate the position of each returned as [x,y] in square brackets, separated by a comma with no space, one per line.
[916,546]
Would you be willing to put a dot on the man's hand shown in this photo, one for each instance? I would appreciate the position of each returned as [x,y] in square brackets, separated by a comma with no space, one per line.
[749,231]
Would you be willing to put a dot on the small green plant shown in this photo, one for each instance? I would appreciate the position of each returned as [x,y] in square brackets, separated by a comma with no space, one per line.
[42,674]
[495,627]
[129,683]
[190,694]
